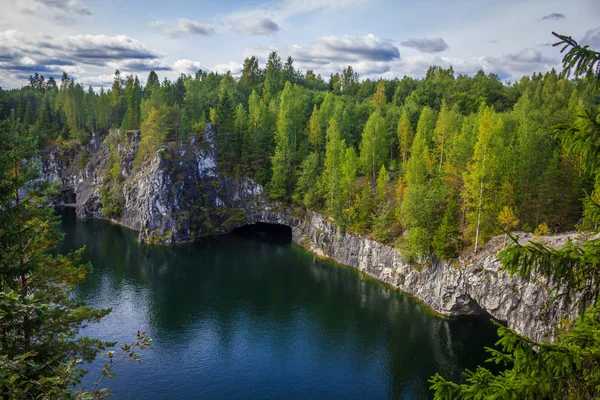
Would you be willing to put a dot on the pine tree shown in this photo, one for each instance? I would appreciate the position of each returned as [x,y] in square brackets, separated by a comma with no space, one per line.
[131,120]
[362,209]
[240,125]
[40,318]
[306,190]
[273,72]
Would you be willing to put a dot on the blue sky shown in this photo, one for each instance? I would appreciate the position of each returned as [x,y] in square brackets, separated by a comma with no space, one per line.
[89,39]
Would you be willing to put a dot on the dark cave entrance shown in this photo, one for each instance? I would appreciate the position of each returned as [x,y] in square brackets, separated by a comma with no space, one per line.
[68,197]
[264,230]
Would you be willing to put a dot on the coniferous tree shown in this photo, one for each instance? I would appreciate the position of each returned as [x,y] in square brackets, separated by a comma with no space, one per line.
[306,188]
[40,318]
[273,80]
[446,240]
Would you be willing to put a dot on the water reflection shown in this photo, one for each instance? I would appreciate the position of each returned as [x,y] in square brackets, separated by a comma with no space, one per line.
[257,317]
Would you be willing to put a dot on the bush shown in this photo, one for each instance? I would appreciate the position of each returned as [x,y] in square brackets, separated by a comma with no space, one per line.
[112,200]
[419,241]
[542,230]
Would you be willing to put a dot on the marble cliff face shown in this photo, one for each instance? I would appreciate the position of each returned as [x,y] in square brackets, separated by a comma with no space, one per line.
[179,195]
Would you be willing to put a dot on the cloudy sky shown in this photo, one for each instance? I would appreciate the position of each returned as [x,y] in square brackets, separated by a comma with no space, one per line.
[89,39]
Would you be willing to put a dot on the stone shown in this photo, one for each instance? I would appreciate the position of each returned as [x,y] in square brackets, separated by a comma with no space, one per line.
[179,195]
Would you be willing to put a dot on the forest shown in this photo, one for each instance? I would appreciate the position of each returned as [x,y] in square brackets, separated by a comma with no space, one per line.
[433,165]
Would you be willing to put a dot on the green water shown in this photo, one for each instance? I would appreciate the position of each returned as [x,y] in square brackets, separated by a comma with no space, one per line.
[253,317]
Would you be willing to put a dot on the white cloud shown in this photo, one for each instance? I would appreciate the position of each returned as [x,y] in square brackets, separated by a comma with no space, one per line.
[526,56]
[233,67]
[97,81]
[289,8]
[69,6]
[254,25]
[22,55]
[426,45]
[513,66]
[98,49]
[140,65]
[592,39]
[260,52]
[188,67]
[347,48]
[268,20]
[63,12]
[184,27]
[554,16]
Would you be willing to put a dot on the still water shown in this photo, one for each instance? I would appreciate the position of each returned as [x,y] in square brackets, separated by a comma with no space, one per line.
[253,316]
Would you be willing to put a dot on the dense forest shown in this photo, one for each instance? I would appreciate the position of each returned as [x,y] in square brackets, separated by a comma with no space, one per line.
[431,165]
[449,159]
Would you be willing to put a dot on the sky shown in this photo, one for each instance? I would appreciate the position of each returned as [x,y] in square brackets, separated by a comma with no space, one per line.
[89,39]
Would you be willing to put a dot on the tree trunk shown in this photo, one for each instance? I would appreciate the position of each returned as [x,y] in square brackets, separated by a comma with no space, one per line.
[478,215]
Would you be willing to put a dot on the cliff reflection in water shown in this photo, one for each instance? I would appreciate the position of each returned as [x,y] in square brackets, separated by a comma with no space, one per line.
[257,316]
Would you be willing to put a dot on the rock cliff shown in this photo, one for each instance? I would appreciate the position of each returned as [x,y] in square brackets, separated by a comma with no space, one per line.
[179,195]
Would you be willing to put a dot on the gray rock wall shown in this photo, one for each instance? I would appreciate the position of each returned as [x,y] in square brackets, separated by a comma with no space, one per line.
[178,195]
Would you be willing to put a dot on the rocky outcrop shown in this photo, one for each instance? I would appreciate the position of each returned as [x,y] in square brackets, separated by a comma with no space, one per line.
[179,195]
[473,285]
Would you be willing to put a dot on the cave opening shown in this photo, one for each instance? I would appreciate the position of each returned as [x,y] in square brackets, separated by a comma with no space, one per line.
[265,230]
[68,197]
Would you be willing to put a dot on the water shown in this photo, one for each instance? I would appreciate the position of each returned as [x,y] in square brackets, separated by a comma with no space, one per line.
[253,317]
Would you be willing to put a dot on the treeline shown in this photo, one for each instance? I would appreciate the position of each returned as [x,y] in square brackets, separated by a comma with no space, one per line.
[432,164]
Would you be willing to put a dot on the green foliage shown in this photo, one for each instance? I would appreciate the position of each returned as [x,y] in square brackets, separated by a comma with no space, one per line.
[383,223]
[112,200]
[333,173]
[446,240]
[373,151]
[569,368]
[525,151]
[580,60]
[307,187]
[491,144]
[361,213]
[483,178]
[405,135]
[153,134]
[419,241]
[111,192]
[40,318]
[287,140]
[542,230]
